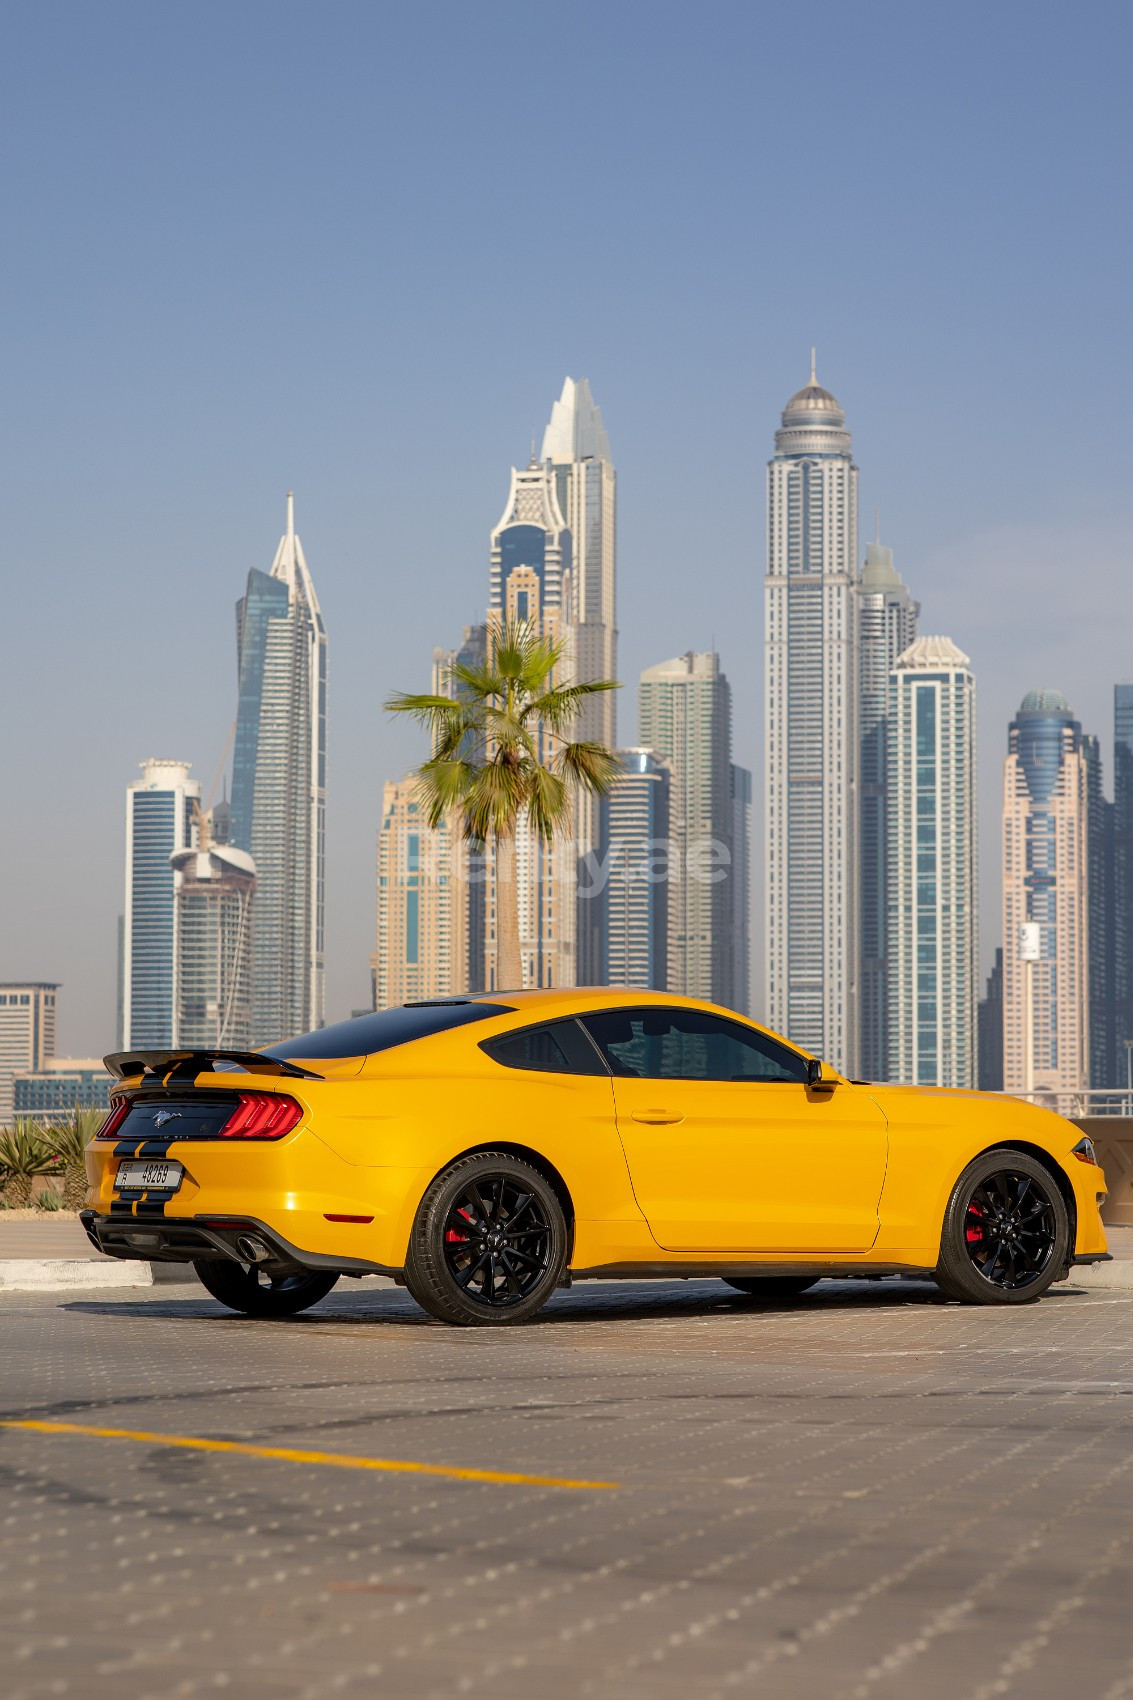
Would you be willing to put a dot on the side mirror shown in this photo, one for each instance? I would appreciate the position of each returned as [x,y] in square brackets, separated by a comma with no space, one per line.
[820,1077]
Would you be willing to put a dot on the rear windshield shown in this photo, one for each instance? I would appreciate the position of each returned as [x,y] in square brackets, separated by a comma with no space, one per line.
[367,1034]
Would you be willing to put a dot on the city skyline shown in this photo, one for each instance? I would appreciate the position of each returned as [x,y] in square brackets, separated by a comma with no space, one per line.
[160,402]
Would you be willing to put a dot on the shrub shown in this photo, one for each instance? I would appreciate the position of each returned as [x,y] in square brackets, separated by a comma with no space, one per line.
[68,1142]
[25,1152]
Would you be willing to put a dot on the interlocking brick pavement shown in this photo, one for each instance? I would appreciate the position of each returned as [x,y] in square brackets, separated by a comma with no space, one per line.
[860,1495]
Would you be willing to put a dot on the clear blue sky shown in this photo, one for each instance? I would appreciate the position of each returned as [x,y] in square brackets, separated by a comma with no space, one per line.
[354,249]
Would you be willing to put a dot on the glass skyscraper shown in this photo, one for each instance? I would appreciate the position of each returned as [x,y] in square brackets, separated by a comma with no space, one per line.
[685,716]
[931,862]
[160,821]
[811,731]
[887,625]
[634,865]
[279,786]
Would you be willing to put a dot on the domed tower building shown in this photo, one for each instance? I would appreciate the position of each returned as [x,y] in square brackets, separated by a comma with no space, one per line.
[811,730]
[1046,914]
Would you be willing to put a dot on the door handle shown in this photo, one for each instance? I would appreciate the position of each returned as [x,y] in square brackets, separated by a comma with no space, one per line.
[657,1118]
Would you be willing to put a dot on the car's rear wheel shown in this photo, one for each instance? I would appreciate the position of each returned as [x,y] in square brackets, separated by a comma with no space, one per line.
[771,1286]
[244,1287]
[1006,1232]
[488,1243]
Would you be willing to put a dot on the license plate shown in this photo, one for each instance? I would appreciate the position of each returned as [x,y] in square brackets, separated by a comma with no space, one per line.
[158,1175]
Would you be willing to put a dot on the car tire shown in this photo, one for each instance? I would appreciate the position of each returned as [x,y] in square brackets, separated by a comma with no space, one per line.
[771,1286]
[243,1287]
[1006,1234]
[488,1243]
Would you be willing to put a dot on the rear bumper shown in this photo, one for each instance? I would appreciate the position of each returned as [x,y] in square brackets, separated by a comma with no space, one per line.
[185,1239]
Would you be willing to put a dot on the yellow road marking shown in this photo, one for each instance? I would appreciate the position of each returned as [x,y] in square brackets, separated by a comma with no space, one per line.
[339,1460]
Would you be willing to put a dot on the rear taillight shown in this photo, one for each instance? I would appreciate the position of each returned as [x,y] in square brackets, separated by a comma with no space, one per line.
[119,1110]
[262,1115]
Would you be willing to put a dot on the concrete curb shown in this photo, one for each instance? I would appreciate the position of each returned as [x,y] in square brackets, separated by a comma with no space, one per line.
[1119,1273]
[40,1274]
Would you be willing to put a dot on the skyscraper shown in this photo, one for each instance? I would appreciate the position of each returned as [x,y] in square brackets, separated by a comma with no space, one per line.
[160,820]
[887,625]
[214,887]
[279,785]
[634,865]
[27,1033]
[990,1024]
[685,716]
[422,911]
[932,880]
[1123,879]
[576,448]
[811,749]
[739,886]
[532,580]
[1101,943]
[470,926]
[1046,1017]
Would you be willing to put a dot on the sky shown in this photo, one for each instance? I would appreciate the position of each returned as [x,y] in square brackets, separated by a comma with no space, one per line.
[353,250]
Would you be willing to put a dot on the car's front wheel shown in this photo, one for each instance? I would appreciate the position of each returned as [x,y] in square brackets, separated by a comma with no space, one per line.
[489,1242]
[1006,1232]
[244,1287]
[771,1286]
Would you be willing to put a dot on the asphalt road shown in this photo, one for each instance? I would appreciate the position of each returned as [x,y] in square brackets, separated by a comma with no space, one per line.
[865,1493]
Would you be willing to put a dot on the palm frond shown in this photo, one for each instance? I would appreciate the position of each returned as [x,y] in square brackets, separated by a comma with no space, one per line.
[548,802]
[559,706]
[442,786]
[588,765]
[481,683]
[493,800]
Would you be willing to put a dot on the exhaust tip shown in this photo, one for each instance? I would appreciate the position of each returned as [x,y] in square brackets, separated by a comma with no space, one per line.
[251,1249]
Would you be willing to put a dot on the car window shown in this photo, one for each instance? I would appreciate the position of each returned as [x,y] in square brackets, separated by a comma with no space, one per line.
[556,1047]
[368,1034]
[687,1044]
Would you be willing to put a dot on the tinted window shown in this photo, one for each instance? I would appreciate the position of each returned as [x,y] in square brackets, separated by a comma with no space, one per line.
[558,1047]
[367,1034]
[684,1044]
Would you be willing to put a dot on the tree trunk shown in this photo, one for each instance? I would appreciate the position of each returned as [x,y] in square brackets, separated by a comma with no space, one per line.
[509,961]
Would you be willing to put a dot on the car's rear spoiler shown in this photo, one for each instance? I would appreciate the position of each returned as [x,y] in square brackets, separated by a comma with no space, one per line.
[186,1065]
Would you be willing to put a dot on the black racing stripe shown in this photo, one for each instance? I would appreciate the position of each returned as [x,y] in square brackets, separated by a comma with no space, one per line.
[150,1208]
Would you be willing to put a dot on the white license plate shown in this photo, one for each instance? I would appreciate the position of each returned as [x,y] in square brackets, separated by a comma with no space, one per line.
[156,1174]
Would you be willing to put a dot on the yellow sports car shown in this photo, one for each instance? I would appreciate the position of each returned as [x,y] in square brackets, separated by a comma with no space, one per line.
[486,1150]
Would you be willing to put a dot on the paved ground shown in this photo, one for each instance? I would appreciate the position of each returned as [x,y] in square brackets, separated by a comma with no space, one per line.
[864,1495]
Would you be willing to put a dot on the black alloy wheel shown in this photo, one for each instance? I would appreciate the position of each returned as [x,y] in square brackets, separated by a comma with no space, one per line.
[1006,1232]
[247,1288]
[488,1243]
[771,1286]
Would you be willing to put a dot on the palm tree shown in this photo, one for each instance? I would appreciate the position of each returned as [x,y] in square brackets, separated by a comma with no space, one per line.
[489,768]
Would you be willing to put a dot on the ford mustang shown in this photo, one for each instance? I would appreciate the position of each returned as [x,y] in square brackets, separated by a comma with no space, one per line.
[486,1150]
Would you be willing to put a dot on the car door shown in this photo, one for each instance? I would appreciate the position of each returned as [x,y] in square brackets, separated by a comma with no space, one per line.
[728,1147]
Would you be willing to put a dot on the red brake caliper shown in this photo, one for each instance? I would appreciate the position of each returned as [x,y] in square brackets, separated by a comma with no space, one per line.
[451,1235]
[974,1232]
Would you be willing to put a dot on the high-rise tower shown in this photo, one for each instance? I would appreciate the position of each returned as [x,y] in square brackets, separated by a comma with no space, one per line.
[685,717]
[279,786]
[576,448]
[635,852]
[1046,802]
[160,821]
[811,734]
[931,861]
[887,625]
[532,580]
